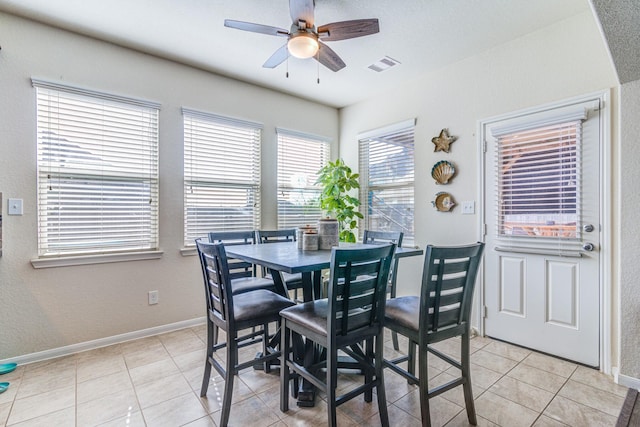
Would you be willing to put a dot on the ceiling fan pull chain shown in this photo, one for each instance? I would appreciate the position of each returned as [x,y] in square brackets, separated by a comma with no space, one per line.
[318,65]
[287,66]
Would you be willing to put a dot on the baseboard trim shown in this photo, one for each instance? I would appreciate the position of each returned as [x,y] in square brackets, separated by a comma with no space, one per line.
[626,381]
[103,342]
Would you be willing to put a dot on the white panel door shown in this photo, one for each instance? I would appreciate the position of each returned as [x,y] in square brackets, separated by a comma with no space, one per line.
[542,277]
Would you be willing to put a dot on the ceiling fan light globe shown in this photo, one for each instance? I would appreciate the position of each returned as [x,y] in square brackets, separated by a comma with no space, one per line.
[303,46]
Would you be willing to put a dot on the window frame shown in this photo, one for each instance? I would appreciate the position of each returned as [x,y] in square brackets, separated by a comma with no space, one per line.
[219,133]
[323,145]
[404,190]
[92,121]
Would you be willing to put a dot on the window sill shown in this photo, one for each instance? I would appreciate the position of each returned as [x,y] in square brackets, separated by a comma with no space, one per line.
[68,261]
[189,251]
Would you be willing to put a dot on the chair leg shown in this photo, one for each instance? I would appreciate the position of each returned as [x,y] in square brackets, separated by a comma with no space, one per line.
[232,362]
[265,346]
[332,384]
[207,365]
[466,374]
[285,344]
[380,390]
[394,338]
[368,375]
[424,386]
[411,363]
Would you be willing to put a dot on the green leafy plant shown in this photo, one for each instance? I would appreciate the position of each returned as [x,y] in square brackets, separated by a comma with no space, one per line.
[337,180]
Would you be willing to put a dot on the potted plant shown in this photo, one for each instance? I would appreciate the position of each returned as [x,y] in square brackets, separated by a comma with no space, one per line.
[337,180]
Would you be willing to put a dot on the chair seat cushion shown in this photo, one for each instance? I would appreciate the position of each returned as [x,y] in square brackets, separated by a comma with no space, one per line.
[259,304]
[403,311]
[246,284]
[312,315]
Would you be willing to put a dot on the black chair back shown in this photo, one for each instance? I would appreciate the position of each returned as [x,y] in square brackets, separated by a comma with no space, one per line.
[448,282]
[383,237]
[215,269]
[272,236]
[357,289]
[237,268]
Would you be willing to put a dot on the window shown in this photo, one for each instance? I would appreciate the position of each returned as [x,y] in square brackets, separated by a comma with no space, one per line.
[387,179]
[538,175]
[97,172]
[221,174]
[300,157]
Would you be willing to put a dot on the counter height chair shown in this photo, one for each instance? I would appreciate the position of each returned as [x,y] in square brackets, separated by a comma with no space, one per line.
[440,312]
[242,274]
[351,320]
[384,237]
[235,314]
[291,281]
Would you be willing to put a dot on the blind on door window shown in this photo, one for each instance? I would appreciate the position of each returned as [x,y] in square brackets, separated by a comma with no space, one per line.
[300,157]
[221,174]
[97,172]
[387,180]
[538,177]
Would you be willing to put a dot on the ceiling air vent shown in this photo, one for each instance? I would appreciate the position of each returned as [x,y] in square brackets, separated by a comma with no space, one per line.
[384,64]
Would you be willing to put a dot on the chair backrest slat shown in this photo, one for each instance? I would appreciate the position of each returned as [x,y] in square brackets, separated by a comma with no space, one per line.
[448,282]
[357,288]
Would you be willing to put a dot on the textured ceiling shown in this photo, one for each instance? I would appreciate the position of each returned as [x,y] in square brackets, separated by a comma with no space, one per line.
[620,21]
[423,35]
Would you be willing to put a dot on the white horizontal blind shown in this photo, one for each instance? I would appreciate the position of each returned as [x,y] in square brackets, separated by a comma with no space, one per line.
[221,175]
[387,181]
[538,177]
[97,172]
[300,157]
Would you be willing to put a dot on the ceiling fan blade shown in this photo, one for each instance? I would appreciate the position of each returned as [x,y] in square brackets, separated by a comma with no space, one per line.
[278,57]
[348,29]
[302,10]
[327,57]
[255,28]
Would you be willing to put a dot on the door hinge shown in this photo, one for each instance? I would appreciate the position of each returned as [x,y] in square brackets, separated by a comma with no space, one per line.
[484,146]
[484,311]
[484,229]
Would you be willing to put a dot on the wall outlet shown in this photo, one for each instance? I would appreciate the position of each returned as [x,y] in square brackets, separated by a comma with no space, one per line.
[15,207]
[153,297]
[468,207]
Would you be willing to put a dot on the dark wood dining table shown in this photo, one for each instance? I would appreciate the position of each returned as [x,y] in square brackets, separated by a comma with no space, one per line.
[287,257]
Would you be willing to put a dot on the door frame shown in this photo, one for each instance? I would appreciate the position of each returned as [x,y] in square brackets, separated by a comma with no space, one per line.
[607,307]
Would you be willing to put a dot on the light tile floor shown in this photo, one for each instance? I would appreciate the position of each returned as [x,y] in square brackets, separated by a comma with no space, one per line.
[155,381]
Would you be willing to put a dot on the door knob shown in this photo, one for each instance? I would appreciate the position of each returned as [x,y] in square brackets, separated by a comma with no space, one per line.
[588,247]
[587,228]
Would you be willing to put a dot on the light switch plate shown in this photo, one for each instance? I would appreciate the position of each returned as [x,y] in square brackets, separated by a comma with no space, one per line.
[15,206]
[468,207]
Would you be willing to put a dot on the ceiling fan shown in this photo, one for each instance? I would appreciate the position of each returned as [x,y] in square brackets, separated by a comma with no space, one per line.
[304,40]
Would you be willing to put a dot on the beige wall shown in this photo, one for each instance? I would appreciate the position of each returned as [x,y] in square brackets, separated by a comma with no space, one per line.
[55,307]
[565,60]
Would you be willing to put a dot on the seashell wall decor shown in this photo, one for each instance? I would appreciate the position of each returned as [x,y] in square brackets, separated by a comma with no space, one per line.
[444,202]
[443,171]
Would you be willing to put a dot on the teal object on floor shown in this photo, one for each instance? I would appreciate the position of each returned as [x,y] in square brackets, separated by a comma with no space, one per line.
[3,387]
[5,368]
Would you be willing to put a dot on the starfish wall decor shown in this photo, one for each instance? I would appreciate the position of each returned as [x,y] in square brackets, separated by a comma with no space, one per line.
[443,141]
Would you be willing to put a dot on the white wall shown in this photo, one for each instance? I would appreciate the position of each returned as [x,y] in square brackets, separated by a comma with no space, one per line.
[565,60]
[630,239]
[55,307]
